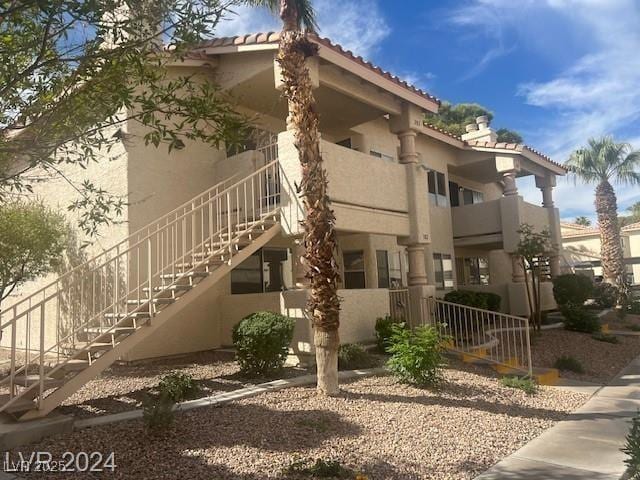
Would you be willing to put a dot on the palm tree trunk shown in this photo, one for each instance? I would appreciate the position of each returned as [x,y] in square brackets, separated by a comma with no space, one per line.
[319,232]
[611,248]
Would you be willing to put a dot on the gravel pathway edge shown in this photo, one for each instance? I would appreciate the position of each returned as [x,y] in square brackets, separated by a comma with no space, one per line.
[223,398]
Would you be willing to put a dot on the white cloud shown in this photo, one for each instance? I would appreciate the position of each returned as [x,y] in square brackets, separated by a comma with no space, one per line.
[357,25]
[596,94]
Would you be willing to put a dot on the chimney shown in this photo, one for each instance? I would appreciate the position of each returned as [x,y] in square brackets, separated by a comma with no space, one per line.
[480,131]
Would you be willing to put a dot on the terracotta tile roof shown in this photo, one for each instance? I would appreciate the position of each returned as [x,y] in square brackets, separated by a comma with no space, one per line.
[519,147]
[632,226]
[443,131]
[274,37]
[579,230]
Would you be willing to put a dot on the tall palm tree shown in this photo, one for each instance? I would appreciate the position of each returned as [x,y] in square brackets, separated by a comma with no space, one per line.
[319,232]
[602,162]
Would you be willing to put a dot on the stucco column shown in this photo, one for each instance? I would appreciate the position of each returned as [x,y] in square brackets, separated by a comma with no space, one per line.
[417,275]
[546,184]
[517,269]
[509,181]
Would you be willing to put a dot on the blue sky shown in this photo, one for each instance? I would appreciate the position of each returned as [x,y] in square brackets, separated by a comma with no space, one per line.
[557,71]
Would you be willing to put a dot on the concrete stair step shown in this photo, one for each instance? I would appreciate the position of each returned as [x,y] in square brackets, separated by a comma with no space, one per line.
[171,288]
[119,330]
[75,365]
[94,347]
[28,380]
[184,275]
[20,405]
[157,300]
[139,316]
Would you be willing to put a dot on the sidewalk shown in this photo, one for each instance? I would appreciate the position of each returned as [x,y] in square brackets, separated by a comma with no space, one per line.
[587,444]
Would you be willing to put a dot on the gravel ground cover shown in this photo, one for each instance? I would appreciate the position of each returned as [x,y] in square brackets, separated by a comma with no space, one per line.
[124,387]
[617,323]
[601,360]
[377,426]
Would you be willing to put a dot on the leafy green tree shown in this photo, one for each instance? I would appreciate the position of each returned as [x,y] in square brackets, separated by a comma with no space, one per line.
[632,217]
[454,119]
[508,136]
[533,248]
[73,72]
[582,220]
[601,162]
[32,238]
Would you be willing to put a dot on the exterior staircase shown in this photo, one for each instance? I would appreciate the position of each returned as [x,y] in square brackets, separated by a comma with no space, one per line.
[68,332]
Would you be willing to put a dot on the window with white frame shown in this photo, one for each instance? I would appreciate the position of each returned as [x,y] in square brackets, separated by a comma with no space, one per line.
[471,197]
[267,270]
[390,269]
[437,188]
[443,267]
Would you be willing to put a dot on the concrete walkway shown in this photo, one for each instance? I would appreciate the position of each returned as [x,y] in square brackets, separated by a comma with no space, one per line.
[586,445]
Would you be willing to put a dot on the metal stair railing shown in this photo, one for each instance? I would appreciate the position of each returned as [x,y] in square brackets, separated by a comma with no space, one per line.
[493,337]
[52,325]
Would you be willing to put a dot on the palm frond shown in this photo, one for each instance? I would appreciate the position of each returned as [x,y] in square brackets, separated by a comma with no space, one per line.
[306,12]
[603,160]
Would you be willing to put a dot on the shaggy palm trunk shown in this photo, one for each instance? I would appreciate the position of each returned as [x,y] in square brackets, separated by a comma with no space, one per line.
[611,248]
[319,233]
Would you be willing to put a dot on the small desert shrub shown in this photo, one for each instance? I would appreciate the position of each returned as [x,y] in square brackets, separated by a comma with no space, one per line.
[157,412]
[605,295]
[579,319]
[605,337]
[262,342]
[178,386]
[632,449]
[572,288]
[483,300]
[319,469]
[416,355]
[384,330]
[568,363]
[527,385]
[353,356]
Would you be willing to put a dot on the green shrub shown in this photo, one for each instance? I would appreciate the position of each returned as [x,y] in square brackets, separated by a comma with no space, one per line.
[579,319]
[527,385]
[319,469]
[262,342]
[568,363]
[353,356]
[632,449]
[416,356]
[178,386]
[605,295]
[572,288]
[634,327]
[634,307]
[483,300]
[157,412]
[384,330]
[605,337]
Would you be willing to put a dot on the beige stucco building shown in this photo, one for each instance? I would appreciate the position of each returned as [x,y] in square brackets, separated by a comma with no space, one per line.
[581,250]
[417,209]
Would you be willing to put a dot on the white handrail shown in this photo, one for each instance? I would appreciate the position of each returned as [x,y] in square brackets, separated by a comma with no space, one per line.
[132,277]
[487,335]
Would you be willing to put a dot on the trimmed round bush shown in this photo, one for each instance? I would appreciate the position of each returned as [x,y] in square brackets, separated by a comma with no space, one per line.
[579,319]
[605,295]
[262,342]
[483,300]
[572,288]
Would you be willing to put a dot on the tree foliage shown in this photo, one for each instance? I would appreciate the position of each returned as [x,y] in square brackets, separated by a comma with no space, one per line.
[632,217]
[32,239]
[72,73]
[533,247]
[582,220]
[602,162]
[454,119]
